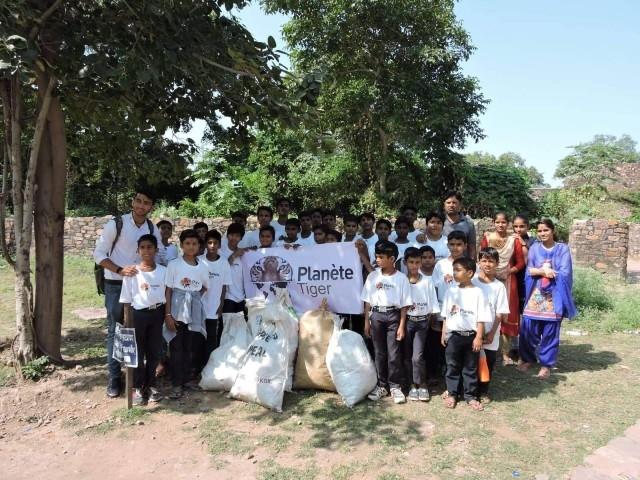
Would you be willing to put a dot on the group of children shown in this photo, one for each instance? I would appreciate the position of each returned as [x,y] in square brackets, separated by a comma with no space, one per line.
[427,304]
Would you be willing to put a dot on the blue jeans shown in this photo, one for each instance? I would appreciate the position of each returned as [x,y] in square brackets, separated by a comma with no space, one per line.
[115,313]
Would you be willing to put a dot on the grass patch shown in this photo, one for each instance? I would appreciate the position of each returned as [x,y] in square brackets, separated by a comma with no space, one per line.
[275,442]
[605,304]
[7,375]
[270,470]
[120,417]
[221,440]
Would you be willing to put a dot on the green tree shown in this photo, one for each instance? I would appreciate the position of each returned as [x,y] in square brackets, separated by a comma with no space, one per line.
[509,160]
[593,163]
[120,66]
[391,79]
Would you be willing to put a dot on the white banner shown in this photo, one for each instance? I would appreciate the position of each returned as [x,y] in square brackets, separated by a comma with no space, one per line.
[310,273]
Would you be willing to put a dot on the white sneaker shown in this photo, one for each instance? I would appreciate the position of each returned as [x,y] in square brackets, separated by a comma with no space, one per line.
[423,395]
[398,396]
[377,393]
[413,394]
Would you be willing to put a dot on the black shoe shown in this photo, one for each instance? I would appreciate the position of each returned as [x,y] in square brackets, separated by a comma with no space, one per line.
[113,389]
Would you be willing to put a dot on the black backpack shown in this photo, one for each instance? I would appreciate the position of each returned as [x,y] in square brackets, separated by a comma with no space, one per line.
[98,270]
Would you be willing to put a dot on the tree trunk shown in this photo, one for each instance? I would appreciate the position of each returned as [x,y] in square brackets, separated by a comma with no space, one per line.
[49,234]
[382,177]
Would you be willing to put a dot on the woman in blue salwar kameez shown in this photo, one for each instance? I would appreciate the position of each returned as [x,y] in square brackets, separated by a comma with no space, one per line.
[548,300]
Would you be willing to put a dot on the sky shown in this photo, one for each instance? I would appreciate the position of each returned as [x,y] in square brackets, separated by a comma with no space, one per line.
[556,72]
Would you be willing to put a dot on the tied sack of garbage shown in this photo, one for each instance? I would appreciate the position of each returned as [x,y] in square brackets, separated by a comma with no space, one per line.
[255,312]
[350,365]
[316,329]
[221,370]
[264,369]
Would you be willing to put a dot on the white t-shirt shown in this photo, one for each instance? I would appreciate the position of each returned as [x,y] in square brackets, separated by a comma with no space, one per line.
[310,240]
[235,291]
[496,294]
[411,236]
[187,277]
[402,247]
[219,275]
[440,246]
[282,243]
[250,239]
[382,290]
[279,230]
[371,241]
[443,267]
[425,300]
[171,252]
[463,308]
[144,289]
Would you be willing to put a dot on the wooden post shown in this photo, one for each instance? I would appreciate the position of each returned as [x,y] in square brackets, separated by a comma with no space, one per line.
[128,384]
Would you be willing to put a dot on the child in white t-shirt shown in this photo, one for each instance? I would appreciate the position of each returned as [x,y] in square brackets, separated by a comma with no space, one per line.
[425,303]
[434,349]
[219,280]
[401,227]
[350,228]
[496,295]
[466,312]
[387,296]
[305,237]
[291,232]
[283,207]
[251,239]
[411,214]
[433,235]
[367,222]
[234,296]
[170,250]
[143,296]
[187,280]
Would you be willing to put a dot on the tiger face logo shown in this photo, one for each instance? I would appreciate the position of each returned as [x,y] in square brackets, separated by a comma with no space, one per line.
[271,269]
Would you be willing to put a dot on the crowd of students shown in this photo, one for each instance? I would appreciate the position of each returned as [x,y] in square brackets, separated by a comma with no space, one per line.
[431,305]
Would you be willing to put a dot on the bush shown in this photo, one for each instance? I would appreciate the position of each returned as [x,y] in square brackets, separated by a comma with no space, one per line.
[36,369]
[589,290]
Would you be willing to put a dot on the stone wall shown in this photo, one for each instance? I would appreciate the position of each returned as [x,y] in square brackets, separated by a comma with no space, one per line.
[634,241]
[600,244]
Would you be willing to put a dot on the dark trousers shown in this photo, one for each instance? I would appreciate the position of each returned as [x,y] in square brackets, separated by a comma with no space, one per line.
[388,351]
[148,325]
[180,355]
[115,314]
[229,306]
[462,363]
[214,333]
[355,323]
[434,354]
[483,387]
[413,350]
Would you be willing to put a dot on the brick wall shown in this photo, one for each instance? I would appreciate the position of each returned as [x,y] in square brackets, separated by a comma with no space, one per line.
[600,244]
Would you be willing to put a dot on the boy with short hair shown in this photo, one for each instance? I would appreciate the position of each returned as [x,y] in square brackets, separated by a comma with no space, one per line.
[201,229]
[425,303]
[219,280]
[170,250]
[402,241]
[291,231]
[433,236]
[350,227]
[333,236]
[143,297]
[329,219]
[187,280]
[496,295]
[267,235]
[383,230]
[411,214]
[427,260]
[306,229]
[443,279]
[316,217]
[234,297]
[251,239]
[386,295]
[367,221]
[320,234]
[283,207]
[466,312]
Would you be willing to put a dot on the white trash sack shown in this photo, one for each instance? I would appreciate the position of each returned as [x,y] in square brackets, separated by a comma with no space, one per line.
[276,306]
[350,365]
[265,367]
[221,369]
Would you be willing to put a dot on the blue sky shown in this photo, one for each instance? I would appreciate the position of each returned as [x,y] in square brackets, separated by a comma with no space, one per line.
[557,72]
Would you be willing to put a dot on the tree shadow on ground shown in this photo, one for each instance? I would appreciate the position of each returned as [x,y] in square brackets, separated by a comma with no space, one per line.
[510,385]
[334,425]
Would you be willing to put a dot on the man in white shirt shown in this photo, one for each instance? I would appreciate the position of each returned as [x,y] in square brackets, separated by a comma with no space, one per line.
[117,254]
[283,207]
[251,238]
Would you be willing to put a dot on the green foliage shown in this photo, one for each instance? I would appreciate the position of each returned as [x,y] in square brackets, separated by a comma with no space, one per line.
[592,163]
[509,161]
[389,77]
[36,369]
[589,290]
